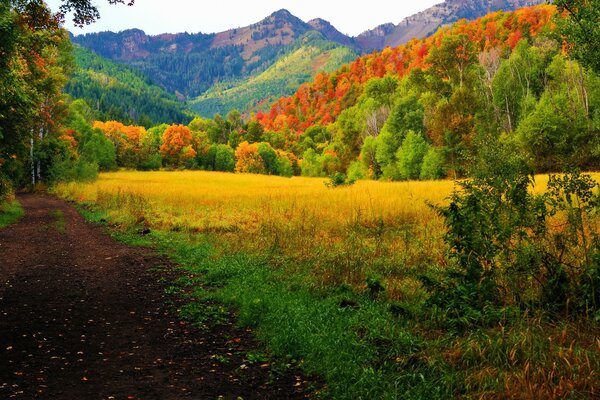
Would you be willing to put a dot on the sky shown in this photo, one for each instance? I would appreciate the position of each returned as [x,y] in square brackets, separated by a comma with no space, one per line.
[174,16]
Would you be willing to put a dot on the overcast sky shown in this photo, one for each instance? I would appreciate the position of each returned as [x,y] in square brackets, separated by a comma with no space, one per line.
[173,16]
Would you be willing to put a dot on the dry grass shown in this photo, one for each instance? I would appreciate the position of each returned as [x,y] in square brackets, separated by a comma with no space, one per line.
[345,234]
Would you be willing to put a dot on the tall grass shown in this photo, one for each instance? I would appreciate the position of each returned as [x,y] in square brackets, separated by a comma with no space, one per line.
[331,278]
[344,233]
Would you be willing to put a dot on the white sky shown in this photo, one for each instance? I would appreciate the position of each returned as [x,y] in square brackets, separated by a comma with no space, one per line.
[173,16]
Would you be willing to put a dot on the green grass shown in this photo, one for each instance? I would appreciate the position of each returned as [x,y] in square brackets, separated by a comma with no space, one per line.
[361,345]
[10,212]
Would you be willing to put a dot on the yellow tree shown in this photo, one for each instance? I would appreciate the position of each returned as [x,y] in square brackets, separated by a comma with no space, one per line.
[177,147]
[249,159]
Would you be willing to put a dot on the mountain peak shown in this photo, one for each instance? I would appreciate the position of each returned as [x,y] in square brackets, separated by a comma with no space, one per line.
[281,14]
[329,32]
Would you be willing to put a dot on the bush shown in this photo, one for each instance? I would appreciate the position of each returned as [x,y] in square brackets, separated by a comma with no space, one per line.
[339,179]
[152,163]
[6,189]
[73,170]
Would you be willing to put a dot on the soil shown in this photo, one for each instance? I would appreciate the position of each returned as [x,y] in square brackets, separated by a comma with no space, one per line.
[85,317]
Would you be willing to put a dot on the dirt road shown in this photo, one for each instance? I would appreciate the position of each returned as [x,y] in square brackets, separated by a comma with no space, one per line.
[84,317]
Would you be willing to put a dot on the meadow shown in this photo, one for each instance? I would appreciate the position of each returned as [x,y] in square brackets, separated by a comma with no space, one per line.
[332,280]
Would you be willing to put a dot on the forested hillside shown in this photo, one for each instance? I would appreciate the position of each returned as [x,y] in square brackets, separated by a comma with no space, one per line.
[426,108]
[429,109]
[227,70]
[189,64]
[116,92]
[311,54]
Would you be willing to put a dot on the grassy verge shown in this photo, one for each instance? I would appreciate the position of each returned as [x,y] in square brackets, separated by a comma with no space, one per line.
[354,284]
[10,212]
[365,346]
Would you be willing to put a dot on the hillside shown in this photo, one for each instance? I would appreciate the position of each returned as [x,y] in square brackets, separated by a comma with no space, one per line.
[321,101]
[189,64]
[210,65]
[428,21]
[312,54]
[117,92]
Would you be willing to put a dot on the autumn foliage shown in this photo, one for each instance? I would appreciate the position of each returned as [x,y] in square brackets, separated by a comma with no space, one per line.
[176,146]
[322,101]
[127,140]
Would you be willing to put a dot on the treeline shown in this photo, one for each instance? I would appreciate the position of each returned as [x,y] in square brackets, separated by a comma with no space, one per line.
[519,89]
[220,144]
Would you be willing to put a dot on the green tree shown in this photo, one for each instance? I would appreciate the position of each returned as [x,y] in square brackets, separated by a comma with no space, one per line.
[269,157]
[433,164]
[224,158]
[101,151]
[582,28]
[410,155]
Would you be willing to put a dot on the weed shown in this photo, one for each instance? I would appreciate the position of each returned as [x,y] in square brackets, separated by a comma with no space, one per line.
[10,212]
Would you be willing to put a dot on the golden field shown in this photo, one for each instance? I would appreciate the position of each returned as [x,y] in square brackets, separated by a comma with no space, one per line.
[344,233]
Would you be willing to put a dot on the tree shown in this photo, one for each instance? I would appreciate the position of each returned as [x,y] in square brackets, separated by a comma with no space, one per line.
[101,151]
[582,29]
[249,159]
[410,155]
[224,158]
[84,11]
[177,145]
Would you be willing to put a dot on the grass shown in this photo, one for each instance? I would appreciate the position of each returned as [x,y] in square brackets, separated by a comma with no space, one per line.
[10,212]
[329,278]
[59,221]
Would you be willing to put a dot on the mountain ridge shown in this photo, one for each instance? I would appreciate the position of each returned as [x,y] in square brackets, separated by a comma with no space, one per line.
[191,64]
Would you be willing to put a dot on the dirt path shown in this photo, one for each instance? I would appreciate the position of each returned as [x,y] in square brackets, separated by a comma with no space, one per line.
[84,317]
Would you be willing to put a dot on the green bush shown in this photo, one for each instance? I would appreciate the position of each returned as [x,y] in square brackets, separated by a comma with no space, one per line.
[73,170]
[151,163]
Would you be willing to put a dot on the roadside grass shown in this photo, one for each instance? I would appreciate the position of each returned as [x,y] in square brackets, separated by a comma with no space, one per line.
[10,212]
[341,298]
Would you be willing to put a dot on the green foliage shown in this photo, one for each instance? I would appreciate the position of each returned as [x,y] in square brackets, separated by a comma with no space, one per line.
[504,250]
[101,151]
[224,158]
[151,163]
[311,164]
[10,212]
[357,171]
[433,165]
[582,29]
[269,158]
[120,93]
[69,170]
[410,155]
[284,167]
[338,179]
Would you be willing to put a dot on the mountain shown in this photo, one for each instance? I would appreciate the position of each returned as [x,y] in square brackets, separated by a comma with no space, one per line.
[206,67]
[311,55]
[116,92]
[427,22]
[189,64]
